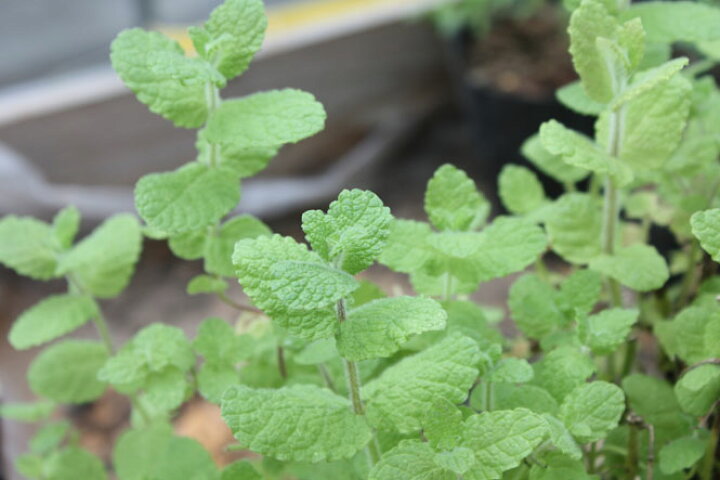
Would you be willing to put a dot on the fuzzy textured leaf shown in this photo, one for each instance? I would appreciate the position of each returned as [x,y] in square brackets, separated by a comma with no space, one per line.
[591,410]
[706,228]
[28,246]
[604,332]
[410,460]
[520,190]
[639,267]
[453,202]
[699,389]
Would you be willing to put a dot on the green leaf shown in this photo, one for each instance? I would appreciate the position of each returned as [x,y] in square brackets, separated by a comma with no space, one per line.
[214,378]
[403,392]
[242,161]
[353,232]
[458,460]
[29,247]
[559,466]
[51,318]
[66,224]
[681,453]
[511,370]
[103,262]
[266,119]
[161,346]
[509,396]
[639,267]
[706,228]
[410,460]
[157,454]
[27,412]
[573,96]
[686,334]
[66,372]
[500,440]
[378,329]
[232,35]
[520,190]
[550,164]
[169,83]
[453,202]
[189,198]
[534,306]
[604,332]
[580,291]
[165,389]
[574,226]
[561,437]
[220,245]
[240,470]
[649,80]
[406,249]
[591,410]
[588,22]
[654,400]
[315,424]
[308,286]
[443,425]
[189,245]
[49,437]
[73,463]
[217,342]
[699,389]
[669,22]
[206,284]
[561,370]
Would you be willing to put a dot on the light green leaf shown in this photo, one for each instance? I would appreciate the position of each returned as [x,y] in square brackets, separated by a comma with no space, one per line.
[189,245]
[240,470]
[654,400]
[511,370]
[410,460]
[169,83]
[308,286]
[574,226]
[453,202]
[706,228]
[353,232]
[49,437]
[317,352]
[520,190]
[217,342]
[639,267]
[27,412]
[165,389]
[580,291]
[534,306]
[458,460]
[500,440]
[604,332]
[407,249]
[189,198]
[66,372]
[65,226]
[214,378]
[509,396]
[699,389]
[561,370]
[29,247]
[232,35]
[403,392]
[649,80]
[242,161]
[558,466]
[206,284]
[51,318]
[669,22]
[561,438]
[220,245]
[378,329]
[103,262]
[591,410]
[73,463]
[161,346]
[550,164]
[267,119]
[573,96]
[681,453]
[443,425]
[302,423]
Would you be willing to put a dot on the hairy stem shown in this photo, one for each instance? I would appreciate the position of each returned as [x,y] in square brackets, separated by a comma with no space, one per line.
[709,463]
[326,377]
[632,458]
[282,367]
[611,204]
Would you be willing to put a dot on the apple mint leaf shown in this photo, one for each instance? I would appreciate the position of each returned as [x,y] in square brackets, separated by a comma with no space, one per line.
[706,228]
[307,285]
[65,226]
[534,306]
[103,262]
[580,291]
[398,398]
[556,466]
[189,198]
[242,161]
[378,328]
[353,232]
[66,372]
[654,400]
[604,332]
[72,463]
[698,389]
[561,370]
[687,333]
[443,425]
[681,453]
[649,80]
[552,165]
[412,460]
[520,190]
[29,247]
[206,284]
[315,425]
[232,35]
[266,119]
[27,412]
[573,226]
[573,96]
[49,437]
[165,389]
[156,453]
[509,396]
[219,246]
[156,69]
[500,440]
[639,267]
[670,22]
[51,318]
[407,249]
[453,202]
[561,437]
[591,410]
[214,378]
[190,245]
[458,460]
[240,470]
[511,370]
[217,342]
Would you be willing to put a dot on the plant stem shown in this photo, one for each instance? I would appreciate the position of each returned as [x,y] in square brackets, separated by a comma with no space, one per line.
[632,458]
[709,464]
[629,360]
[101,326]
[541,270]
[282,367]
[237,306]
[611,203]
[326,377]
[591,456]
[650,470]
[689,279]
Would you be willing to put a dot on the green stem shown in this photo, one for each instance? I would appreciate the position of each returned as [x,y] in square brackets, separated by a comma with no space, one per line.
[632,458]
[542,270]
[689,279]
[591,456]
[488,396]
[629,360]
[101,326]
[709,463]
[282,367]
[611,203]
[326,377]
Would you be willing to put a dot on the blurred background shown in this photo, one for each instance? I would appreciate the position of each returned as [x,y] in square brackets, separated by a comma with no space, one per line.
[408,85]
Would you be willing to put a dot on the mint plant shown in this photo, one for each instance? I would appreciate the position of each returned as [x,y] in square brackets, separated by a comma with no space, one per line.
[329,377]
